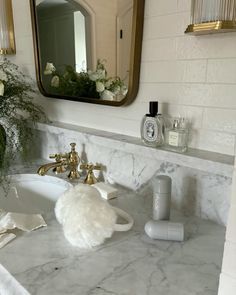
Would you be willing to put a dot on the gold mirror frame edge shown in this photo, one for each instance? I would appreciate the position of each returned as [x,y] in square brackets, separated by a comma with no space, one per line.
[135,59]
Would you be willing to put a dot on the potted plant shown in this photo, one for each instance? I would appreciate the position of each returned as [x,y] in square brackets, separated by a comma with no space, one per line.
[18,114]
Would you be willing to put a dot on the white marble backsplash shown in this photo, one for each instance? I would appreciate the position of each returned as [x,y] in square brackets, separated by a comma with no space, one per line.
[201,181]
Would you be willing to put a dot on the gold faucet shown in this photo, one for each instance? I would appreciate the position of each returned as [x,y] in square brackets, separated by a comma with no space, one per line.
[73,163]
[90,178]
[69,161]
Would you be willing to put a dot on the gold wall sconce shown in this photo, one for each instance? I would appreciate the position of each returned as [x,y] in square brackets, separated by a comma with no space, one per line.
[7,39]
[212,16]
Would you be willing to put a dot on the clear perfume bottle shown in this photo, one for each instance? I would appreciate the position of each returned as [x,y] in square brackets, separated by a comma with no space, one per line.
[176,137]
[152,126]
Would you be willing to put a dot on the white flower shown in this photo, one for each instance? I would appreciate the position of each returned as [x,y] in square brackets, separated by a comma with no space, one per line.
[98,75]
[55,82]
[100,86]
[3,76]
[49,69]
[116,90]
[93,76]
[107,95]
[1,88]
[101,74]
[124,90]
[108,83]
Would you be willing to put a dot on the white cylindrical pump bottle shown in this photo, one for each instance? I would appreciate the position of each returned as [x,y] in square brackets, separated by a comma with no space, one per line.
[161,197]
[165,230]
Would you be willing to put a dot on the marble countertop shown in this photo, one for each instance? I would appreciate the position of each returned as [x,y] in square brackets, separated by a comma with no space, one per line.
[128,263]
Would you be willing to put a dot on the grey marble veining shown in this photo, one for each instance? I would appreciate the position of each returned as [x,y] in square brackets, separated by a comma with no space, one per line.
[197,159]
[127,264]
[201,180]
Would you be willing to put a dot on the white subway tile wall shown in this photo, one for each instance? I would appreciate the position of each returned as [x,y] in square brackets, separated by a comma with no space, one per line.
[191,76]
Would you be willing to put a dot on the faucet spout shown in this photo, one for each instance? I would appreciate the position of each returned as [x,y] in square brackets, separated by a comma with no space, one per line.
[63,162]
[55,165]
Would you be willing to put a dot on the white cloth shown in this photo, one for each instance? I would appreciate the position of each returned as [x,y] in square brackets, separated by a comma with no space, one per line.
[106,190]
[9,285]
[5,239]
[24,222]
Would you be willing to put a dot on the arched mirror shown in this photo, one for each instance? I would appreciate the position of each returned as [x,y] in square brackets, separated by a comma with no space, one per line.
[88,50]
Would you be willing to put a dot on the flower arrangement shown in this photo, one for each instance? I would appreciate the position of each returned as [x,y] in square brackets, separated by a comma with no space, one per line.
[93,84]
[18,114]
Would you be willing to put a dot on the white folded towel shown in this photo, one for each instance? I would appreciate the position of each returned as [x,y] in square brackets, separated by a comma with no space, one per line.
[9,285]
[24,222]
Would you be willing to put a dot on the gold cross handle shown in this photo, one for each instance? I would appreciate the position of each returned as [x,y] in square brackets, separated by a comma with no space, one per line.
[90,178]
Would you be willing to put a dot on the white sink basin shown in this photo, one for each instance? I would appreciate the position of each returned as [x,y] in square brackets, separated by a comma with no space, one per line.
[31,193]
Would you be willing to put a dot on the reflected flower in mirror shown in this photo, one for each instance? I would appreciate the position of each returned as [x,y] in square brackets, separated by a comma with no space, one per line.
[92,84]
[49,69]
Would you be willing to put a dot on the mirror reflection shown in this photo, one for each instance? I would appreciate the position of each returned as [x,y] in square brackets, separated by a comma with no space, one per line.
[84,47]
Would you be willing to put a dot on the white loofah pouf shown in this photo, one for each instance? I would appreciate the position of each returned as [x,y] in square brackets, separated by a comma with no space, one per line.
[86,218]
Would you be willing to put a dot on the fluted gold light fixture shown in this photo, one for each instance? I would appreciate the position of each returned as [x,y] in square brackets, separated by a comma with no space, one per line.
[7,39]
[212,16]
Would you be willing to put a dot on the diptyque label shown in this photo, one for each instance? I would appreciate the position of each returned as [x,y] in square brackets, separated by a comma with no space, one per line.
[150,129]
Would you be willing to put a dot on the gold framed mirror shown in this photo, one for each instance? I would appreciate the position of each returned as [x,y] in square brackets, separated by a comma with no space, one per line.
[88,50]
